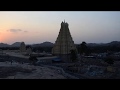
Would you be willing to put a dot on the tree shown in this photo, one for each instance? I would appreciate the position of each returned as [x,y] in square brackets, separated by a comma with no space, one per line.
[109,60]
[73,55]
[33,59]
[83,48]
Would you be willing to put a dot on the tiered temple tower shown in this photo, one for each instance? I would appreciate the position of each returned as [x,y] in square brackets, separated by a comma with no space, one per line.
[64,42]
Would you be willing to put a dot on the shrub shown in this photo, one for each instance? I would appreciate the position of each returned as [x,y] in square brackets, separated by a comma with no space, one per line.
[109,60]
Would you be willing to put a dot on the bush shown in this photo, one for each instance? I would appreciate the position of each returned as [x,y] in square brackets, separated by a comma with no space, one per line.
[109,60]
[33,59]
[73,55]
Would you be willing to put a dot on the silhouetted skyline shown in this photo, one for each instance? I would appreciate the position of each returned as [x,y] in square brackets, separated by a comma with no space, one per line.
[40,26]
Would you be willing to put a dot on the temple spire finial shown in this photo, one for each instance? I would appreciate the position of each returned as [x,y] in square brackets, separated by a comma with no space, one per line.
[64,20]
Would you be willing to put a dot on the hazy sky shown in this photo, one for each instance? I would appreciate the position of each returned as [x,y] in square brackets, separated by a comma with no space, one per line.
[39,26]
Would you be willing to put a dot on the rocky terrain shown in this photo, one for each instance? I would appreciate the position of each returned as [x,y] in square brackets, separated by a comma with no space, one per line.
[20,68]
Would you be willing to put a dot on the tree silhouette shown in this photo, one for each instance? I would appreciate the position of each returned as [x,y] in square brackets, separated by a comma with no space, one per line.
[83,48]
[33,59]
[73,55]
[109,60]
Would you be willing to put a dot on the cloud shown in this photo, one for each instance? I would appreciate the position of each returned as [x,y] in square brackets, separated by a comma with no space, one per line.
[15,30]
[25,31]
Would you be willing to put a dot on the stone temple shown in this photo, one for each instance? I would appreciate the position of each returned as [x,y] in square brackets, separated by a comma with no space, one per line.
[22,48]
[64,43]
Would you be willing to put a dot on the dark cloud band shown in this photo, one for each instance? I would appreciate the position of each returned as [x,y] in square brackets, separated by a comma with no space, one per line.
[16,30]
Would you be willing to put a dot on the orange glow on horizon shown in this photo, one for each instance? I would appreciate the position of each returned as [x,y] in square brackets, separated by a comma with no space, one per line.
[4,36]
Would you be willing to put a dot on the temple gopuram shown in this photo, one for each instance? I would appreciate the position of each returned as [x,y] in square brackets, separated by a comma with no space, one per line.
[64,43]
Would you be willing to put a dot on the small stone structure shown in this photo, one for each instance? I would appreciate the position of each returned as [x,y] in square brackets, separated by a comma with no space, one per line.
[22,48]
[28,50]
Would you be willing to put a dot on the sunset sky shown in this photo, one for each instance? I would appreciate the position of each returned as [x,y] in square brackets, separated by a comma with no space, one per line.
[40,26]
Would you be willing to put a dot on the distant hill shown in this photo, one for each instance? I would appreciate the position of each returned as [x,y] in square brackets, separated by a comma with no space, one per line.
[44,44]
[4,45]
[49,44]
[16,44]
[114,43]
[93,44]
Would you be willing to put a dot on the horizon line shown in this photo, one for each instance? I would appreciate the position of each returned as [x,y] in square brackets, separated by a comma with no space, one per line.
[54,42]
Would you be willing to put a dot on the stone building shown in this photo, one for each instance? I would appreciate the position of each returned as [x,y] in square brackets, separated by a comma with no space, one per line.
[64,43]
[22,48]
[28,50]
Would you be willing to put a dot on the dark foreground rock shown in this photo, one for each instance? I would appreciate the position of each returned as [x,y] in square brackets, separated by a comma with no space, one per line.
[11,71]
